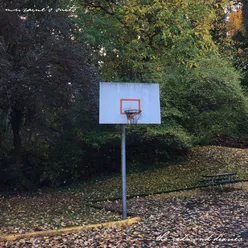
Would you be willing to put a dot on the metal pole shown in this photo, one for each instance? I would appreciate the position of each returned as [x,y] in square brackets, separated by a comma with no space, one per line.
[123,172]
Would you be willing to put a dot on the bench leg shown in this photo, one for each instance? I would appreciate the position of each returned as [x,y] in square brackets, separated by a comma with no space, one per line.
[241,185]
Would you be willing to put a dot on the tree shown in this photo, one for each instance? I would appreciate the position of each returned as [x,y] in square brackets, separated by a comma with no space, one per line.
[144,30]
[235,24]
[207,101]
[245,13]
[237,27]
[42,73]
[173,39]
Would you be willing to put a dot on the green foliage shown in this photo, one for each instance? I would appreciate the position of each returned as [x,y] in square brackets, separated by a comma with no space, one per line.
[206,100]
[43,75]
[217,105]
[99,152]
[143,31]
[173,43]
[149,144]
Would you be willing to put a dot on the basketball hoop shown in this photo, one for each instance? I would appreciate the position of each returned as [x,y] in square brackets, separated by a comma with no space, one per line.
[133,115]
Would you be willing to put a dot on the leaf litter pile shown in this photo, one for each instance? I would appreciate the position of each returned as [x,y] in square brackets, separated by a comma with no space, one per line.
[200,218]
[22,214]
[191,219]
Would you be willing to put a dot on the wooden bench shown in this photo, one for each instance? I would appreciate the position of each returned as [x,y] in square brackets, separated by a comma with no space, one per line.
[221,179]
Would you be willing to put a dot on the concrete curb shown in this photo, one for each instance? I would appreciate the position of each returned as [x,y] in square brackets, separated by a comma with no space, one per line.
[70,229]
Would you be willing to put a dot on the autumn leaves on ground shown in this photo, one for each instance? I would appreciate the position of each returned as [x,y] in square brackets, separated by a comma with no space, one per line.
[190,218]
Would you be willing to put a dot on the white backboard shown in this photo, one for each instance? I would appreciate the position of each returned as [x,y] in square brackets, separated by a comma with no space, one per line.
[115,98]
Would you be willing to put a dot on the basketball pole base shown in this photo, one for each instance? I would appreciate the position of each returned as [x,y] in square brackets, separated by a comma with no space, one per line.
[123,171]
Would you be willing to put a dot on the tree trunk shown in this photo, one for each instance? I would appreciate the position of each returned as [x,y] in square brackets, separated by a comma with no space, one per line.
[15,120]
[245,15]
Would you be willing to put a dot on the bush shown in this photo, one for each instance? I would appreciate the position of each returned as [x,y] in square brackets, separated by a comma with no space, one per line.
[150,144]
[206,100]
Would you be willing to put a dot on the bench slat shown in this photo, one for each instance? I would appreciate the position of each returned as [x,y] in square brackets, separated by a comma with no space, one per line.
[220,175]
[220,179]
